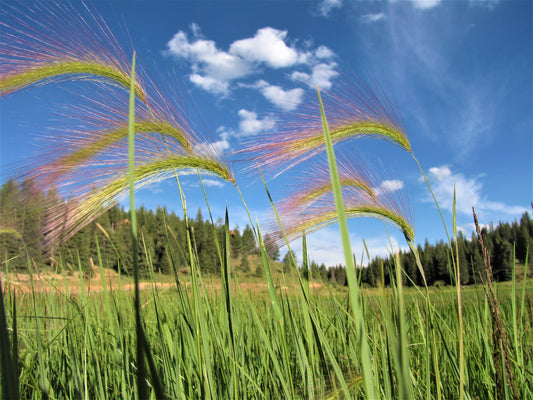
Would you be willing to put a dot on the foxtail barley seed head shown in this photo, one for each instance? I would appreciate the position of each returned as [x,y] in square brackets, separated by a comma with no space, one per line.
[312,206]
[353,112]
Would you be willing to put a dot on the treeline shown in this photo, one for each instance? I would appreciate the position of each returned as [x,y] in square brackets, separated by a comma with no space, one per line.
[162,237]
[506,244]
[162,243]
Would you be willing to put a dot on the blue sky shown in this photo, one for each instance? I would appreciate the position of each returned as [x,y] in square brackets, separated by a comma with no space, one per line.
[460,73]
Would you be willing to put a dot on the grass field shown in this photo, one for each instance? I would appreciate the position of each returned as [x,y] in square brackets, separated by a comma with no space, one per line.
[280,337]
[74,345]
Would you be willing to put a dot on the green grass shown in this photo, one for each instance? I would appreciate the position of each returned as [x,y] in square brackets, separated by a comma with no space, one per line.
[205,339]
[87,343]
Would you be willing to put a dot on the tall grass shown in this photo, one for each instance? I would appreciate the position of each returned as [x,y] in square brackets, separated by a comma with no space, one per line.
[209,341]
[88,343]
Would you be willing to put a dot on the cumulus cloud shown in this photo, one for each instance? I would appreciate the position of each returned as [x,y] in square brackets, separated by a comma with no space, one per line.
[214,70]
[324,52]
[250,125]
[210,84]
[440,173]
[287,100]
[267,46]
[468,193]
[321,76]
[206,57]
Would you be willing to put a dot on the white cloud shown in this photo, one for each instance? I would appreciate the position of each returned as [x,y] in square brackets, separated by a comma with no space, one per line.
[214,70]
[440,173]
[267,46]
[324,52]
[217,67]
[369,18]
[321,76]
[325,6]
[250,125]
[425,4]
[301,76]
[196,31]
[389,186]
[218,147]
[325,246]
[212,183]
[287,100]
[206,57]
[210,84]
[468,193]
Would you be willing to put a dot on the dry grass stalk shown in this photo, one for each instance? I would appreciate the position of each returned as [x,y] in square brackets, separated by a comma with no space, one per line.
[499,336]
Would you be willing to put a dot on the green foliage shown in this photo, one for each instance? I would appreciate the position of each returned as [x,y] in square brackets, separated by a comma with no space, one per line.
[271,247]
[288,261]
[245,264]
[95,335]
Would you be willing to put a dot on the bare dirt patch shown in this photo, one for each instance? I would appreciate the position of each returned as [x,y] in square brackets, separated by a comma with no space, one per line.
[75,283]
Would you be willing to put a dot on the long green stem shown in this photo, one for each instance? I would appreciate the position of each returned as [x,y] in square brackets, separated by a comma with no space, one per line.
[355,301]
[142,388]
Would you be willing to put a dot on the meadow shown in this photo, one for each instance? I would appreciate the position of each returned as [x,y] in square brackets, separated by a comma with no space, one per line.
[220,344]
[217,340]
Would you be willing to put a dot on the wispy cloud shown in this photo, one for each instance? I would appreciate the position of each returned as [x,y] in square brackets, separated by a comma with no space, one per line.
[469,193]
[212,183]
[451,105]
[325,6]
[369,18]
[425,4]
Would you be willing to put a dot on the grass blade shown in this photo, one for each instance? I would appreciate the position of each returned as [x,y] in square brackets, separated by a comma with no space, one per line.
[368,375]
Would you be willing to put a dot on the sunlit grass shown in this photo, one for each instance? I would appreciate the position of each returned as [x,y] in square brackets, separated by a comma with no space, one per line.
[192,341]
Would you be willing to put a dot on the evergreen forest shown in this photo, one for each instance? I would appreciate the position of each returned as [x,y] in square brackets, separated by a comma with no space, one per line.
[162,243]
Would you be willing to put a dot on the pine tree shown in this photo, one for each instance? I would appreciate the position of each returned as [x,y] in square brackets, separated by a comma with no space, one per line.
[323,272]
[502,260]
[271,247]
[160,242]
[288,261]
[236,242]
[10,242]
[248,240]
[524,242]
[427,262]
[245,264]
[441,264]
[259,270]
